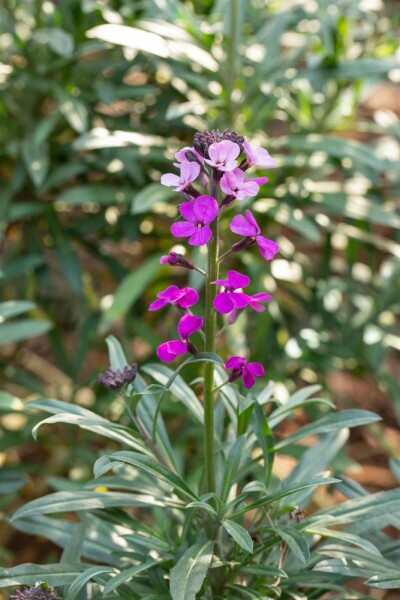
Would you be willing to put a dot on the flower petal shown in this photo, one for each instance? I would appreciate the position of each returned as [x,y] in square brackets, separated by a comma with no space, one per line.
[189,171]
[158,304]
[239,299]
[235,362]
[237,280]
[168,351]
[188,297]
[188,325]
[229,183]
[182,229]
[200,236]
[247,189]
[248,378]
[205,209]
[256,369]
[170,180]
[242,225]
[223,303]
[268,248]
[222,152]
[186,210]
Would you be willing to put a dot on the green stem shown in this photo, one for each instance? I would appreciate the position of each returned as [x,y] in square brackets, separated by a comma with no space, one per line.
[210,327]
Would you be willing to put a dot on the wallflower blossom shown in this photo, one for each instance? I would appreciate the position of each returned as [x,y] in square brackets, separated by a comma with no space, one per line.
[39,592]
[241,368]
[189,172]
[248,227]
[223,155]
[255,300]
[233,183]
[183,298]
[258,156]
[230,299]
[198,214]
[188,325]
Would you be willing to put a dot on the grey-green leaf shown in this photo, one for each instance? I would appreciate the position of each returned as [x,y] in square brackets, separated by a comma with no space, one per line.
[296,542]
[239,534]
[187,576]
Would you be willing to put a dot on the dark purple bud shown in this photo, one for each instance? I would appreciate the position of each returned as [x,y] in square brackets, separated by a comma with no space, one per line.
[203,140]
[39,592]
[245,164]
[236,373]
[191,191]
[244,243]
[115,379]
[191,348]
[177,260]
[227,200]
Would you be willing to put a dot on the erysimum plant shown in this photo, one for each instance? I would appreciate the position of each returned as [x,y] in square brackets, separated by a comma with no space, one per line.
[154,525]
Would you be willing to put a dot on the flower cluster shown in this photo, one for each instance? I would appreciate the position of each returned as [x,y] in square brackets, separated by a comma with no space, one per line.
[116,379]
[212,176]
[39,592]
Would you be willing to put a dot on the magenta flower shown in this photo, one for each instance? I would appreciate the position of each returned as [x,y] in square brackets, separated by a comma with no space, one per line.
[223,155]
[234,183]
[248,227]
[230,299]
[183,154]
[258,156]
[241,368]
[189,172]
[183,298]
[188,325]
[198,214]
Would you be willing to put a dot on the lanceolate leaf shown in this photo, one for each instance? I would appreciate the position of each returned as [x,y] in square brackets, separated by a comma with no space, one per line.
[231,467]
[84,578]
[76,501]
[128,574]
[334,422]
[296,542]
[239,534]
[147,465]
[28,574]
[187,576]
[389,580]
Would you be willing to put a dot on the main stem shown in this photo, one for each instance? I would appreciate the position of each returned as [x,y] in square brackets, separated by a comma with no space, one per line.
[210,326]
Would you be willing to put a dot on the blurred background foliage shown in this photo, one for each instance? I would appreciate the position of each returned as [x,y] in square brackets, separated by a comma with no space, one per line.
[95,98]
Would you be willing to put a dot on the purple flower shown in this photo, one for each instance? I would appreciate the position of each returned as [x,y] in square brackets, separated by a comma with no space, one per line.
[188,154]
[233,183]
[183,298]
[198,214]
[223,155]
[230,299]
[258,156]
[189,172]
[176,260]
[187,326]
[248,227]
[241,368]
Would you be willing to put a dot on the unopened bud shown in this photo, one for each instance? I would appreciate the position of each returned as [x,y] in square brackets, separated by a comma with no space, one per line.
[177,260]
[242,244]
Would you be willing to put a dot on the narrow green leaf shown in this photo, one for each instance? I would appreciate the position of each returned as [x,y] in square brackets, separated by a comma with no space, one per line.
[333,422]
[387,581]
[239,534]
[74,111]
[10,404]
[187,576]
[84,578]
[265,438]
[344,536]
[22,330]
[231,467]
[14,308]
[60,502]
[296,542]
[286,491]
[148,465]
[28,574]
[127,574]
[150,195]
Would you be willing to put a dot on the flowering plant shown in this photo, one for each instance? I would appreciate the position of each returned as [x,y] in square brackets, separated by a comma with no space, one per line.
[227,524]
